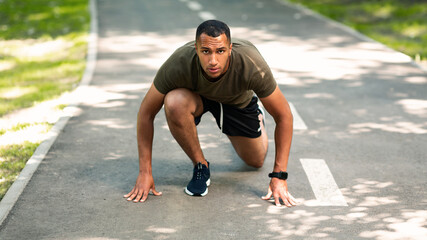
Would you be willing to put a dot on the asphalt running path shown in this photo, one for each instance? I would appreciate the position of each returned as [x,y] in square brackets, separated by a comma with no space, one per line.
[364,107]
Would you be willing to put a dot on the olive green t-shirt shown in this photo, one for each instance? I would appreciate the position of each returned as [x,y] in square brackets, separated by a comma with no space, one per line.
[247,74]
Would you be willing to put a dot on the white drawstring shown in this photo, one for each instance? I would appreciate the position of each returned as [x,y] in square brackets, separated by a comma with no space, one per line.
[221,118]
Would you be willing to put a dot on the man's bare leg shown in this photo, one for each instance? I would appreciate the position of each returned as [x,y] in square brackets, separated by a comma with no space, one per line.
[181,106]
[252,150]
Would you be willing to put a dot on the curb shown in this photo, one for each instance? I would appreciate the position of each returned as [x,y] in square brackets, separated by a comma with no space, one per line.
[12,195]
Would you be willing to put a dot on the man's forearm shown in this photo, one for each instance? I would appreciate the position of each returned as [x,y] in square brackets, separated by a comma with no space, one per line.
[145,133]
[283,139]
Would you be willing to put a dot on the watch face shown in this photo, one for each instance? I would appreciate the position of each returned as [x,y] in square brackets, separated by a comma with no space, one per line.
[283,175]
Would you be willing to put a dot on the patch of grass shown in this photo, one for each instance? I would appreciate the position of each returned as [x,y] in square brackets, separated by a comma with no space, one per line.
[399,24]
[61,106]
[21,126]
[12,160]
[43,45]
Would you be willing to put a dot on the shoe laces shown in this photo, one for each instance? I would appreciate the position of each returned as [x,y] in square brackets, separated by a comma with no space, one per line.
[199,171]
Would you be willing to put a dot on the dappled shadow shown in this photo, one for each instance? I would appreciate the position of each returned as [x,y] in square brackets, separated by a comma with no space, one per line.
[375,211]
[309,64]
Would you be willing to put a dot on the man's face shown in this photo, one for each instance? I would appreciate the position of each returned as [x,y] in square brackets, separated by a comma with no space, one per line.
[214,53]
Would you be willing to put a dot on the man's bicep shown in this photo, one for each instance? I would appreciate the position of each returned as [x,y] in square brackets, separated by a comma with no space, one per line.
[276,104]
[152,102]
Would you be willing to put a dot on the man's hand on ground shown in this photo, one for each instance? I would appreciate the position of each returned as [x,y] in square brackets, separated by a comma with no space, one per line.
[278,189]
[143,186]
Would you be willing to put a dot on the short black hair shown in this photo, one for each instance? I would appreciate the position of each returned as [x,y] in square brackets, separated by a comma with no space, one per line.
[213,28]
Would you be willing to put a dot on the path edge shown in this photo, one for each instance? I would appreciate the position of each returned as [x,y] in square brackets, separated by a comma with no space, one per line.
[12,195]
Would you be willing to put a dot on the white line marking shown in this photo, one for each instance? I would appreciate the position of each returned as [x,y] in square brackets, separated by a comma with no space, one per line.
[323,184]
[206,16]
[24,177]
[298,122]
[195,6]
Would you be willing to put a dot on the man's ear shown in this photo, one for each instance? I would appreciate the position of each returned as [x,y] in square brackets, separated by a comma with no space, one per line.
[231,48]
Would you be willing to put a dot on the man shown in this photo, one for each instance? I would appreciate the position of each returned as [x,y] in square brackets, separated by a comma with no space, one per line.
[220,76]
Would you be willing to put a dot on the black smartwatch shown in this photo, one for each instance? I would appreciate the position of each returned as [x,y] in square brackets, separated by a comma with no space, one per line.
[279,175]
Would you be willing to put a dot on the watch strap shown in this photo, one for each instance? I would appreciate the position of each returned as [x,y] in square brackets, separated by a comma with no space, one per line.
[279,175]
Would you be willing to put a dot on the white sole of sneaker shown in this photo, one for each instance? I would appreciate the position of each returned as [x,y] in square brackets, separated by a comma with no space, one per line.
[208,182]
[192,194]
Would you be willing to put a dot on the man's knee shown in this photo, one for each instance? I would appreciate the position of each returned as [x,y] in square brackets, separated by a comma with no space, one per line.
[255,158]
[174,100]
[252,151]
[256,161]
[181,103]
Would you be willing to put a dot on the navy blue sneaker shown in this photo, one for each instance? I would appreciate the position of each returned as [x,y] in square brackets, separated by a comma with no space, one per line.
[198,186]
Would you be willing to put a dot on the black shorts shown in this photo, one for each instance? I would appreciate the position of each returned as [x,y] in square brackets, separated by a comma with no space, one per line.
[235,121]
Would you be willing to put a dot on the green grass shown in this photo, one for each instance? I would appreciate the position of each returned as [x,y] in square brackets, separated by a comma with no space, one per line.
[14,157]
[399,24]
[42,50]
[12,160]
[61,106]
[22,126]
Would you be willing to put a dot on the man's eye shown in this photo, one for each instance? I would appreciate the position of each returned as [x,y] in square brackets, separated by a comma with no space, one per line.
[220,51]
[205,51]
